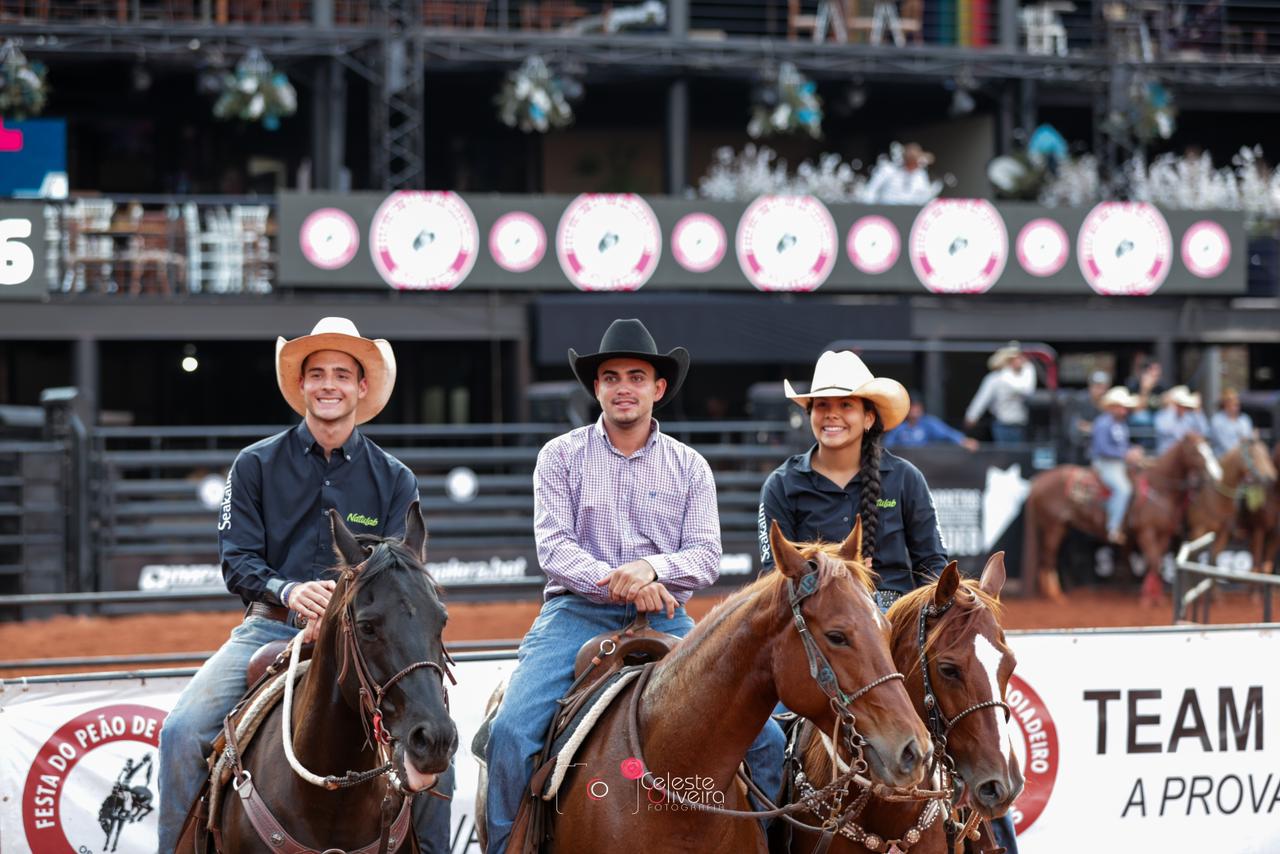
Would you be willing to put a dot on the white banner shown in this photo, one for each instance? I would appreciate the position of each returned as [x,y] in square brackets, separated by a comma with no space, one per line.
[1138,740]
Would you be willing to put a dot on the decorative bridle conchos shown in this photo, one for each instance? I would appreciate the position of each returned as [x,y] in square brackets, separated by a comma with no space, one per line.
[842,818]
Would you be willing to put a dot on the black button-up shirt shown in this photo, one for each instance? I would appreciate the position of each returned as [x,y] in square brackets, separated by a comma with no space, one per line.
[808,506]
[273,527]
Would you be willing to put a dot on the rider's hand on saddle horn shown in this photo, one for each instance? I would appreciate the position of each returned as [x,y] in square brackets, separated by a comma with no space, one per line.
[626,581]
[309,600]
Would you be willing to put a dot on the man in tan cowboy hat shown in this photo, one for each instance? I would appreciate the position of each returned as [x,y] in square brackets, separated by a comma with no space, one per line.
[1004,391]
[1111,449]
[1179,416]
[275,540]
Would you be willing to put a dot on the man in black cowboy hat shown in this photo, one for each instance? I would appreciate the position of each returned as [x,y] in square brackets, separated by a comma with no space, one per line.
[625,520]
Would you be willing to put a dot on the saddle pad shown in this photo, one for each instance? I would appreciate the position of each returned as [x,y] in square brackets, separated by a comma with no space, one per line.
[566,745]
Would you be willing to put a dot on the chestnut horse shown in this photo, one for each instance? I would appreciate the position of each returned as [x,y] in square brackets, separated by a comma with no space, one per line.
[371,723]
[805,633]
[1263,523]
[968,665]
[1217,506]
[1072,496]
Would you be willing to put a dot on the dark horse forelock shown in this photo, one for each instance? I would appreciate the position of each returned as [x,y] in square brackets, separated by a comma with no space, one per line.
[383,555]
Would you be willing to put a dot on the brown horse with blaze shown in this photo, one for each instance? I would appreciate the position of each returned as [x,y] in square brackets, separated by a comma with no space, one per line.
[706,702]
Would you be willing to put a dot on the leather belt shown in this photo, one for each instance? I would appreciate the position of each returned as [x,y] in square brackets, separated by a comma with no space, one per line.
[279,613]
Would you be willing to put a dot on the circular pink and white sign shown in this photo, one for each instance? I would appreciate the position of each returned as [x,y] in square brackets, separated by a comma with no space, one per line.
[786,243]
[1124,249]
[874,244]
[329,238]
[1206,249]
[424,240]
[958,246]
[699,242]
[1043,247]
[517,241]
[608,242]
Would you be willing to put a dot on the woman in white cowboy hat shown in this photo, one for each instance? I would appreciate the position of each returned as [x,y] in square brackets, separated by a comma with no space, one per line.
[1004,391]
[847,473]
[1110,450]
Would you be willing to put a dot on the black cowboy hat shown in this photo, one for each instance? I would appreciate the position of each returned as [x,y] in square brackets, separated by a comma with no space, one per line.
[628,339]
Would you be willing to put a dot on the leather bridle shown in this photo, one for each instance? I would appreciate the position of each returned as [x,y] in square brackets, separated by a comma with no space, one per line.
[940,725]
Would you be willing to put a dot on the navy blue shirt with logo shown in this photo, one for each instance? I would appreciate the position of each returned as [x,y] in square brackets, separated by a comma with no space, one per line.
[807,507]
[273,527]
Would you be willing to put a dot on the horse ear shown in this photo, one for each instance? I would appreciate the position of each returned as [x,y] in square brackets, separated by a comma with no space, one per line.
[415,531]
[344,542]
[993,576]
[785,557]
[947,585]
[851,548]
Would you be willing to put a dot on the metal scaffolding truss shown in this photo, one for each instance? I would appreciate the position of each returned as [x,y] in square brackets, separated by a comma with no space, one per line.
[184,42]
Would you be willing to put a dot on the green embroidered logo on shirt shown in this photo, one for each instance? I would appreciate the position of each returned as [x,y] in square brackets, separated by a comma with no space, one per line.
[362,520]
[886,502]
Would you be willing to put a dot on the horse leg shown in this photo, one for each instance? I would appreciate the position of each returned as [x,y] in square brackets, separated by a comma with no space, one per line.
[1152,584]
[1051,543]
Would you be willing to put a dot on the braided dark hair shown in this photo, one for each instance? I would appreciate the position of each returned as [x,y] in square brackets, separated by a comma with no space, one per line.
[868,510]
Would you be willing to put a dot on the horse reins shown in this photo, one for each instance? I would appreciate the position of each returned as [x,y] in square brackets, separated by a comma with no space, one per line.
[837,790]
[371,694]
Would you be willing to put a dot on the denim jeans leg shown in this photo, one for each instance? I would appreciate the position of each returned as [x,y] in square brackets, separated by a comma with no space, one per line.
[544,673]
[190,728]
[433,818]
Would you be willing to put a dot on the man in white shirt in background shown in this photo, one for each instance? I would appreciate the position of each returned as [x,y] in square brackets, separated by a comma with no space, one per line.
[1004,392]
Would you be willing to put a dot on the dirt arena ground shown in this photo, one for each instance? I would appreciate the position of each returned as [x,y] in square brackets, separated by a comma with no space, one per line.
[61,637]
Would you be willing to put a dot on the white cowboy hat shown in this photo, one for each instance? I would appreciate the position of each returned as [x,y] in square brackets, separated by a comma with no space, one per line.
[843,374]
[1180,395]
[1001,357]
[338,333]
[1118,396]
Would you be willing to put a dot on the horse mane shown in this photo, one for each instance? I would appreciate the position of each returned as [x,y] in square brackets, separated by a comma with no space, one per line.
[384,555]
[770,590]
[970,600]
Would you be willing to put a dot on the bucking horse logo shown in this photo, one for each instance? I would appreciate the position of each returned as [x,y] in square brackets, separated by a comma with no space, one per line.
[127,803]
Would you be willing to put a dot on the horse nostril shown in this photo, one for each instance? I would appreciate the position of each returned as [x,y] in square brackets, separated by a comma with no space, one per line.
[992,792]
[910,758]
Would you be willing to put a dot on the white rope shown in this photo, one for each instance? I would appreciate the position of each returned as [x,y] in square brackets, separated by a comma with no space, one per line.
[286,725]
[564,759]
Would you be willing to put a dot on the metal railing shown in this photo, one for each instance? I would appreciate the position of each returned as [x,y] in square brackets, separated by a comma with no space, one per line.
[1191,603]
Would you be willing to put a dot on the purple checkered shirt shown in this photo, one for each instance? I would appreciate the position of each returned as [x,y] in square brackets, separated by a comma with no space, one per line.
[595,509]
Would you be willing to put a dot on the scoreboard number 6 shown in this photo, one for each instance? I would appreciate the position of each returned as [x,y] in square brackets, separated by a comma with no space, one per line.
[17,262]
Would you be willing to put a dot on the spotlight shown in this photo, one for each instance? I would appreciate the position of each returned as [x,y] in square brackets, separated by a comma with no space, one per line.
[141,78]
[190,363]
[856,96]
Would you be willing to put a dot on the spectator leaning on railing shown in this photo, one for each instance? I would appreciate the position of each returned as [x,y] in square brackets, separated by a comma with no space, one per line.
[920,429]
[1081,409]
[1230,426]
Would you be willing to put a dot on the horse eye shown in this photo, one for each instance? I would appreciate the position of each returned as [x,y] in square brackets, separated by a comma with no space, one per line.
[949,670]
[367,628]
[837,639]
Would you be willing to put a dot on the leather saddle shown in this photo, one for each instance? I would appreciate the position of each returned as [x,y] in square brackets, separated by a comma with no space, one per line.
[598,661]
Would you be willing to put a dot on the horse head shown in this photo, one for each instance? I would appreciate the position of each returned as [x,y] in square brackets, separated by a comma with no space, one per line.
[845,641]
[1259,460]
[384,625]
[1193,454]
[968,665]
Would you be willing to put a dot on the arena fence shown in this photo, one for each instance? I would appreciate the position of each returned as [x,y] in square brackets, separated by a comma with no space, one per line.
[1191,601]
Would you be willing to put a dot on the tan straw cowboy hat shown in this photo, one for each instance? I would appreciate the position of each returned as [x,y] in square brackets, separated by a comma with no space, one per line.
[338,333]
[1118,396]
[843,374]
[1001,357]
[1182,396]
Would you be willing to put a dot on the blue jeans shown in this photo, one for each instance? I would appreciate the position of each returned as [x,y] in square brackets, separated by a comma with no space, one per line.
[1008,434]
[1114,474]
[544,674]
[196,719]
